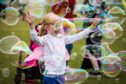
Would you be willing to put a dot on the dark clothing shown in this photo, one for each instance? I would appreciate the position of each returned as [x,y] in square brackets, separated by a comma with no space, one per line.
[94,49]
[69,48]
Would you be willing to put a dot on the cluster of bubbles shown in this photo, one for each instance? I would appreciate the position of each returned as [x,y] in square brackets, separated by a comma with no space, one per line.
[36,9]
[112,63]
[73,75]
[11,14]
[107,32]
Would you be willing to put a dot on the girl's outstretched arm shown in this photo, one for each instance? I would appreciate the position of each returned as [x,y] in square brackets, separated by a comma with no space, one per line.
[34,35]
[78,36]
[82,34]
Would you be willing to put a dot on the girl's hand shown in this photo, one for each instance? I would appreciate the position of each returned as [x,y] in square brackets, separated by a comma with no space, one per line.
[28,18]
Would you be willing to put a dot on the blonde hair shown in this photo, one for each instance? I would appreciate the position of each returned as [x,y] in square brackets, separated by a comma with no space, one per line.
[50,18]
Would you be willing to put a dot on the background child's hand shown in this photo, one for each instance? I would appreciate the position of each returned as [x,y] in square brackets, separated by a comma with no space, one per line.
[28,18]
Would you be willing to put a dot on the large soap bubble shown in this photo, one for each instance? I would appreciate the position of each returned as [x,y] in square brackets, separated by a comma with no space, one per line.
[75,75]
[81,10]
[115,27]
[6,43]
[117,13]
[21,46]
[94,49]
[107,35]
[122,55]
[68,27]
[35,8]
[10,16]
[110,65]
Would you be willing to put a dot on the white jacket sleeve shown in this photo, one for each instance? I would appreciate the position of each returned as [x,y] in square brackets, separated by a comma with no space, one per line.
[78,36]
[35,37]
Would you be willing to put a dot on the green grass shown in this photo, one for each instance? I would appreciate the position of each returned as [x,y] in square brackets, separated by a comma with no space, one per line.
[22,31]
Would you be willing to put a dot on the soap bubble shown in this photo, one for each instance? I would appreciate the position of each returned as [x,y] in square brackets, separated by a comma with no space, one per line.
[10,16]
[23,1]
[107,35]
[60,7]
[35,8]
[5,72]
[122,55]
[94,49]
[117,13]
[81,10]
[110,65]
[6,43]
[117,10]
[68,27]
[18,61]
[21,46]
[48,2]
[115,27]
[93,2]
[73,55]
[75,75]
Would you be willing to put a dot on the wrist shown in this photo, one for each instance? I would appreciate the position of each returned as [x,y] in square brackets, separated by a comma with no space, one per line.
[31,25]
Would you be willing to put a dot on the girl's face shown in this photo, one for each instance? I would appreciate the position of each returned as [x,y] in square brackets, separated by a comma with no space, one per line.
[52,23]
[56,27]
[53,28]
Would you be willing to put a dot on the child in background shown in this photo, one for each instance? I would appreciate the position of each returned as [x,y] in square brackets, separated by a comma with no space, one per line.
[33,73]
[53,44]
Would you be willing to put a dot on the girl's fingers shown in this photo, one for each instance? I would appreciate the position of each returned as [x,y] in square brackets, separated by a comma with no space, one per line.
[27,17]
[26,14]
[29,14]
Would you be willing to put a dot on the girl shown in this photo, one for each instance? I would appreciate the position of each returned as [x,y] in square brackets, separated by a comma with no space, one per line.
[53,44]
